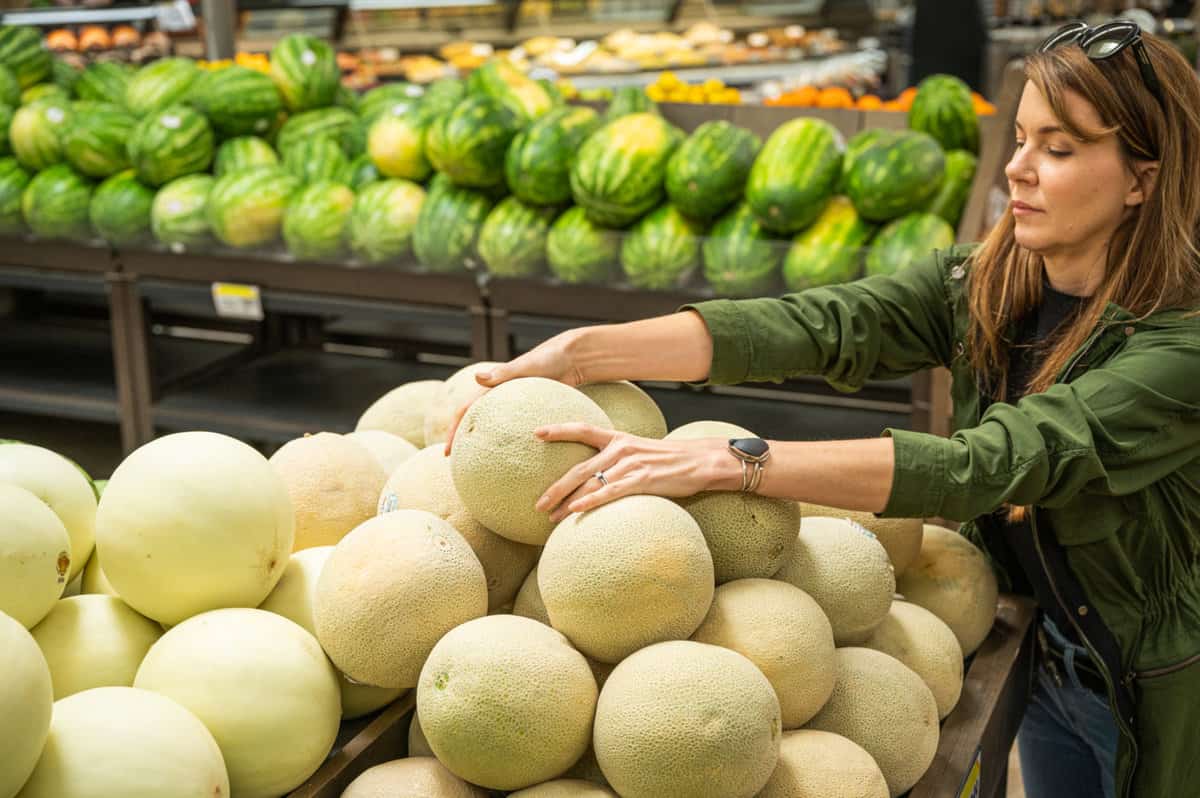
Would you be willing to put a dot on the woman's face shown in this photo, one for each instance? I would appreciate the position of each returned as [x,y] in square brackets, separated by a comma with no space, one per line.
[1067,195]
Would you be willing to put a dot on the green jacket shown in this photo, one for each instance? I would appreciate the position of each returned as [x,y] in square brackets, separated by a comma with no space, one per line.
[1109,457]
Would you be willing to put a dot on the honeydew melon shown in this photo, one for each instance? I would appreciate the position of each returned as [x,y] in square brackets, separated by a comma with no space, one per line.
[26,703]
[35,556]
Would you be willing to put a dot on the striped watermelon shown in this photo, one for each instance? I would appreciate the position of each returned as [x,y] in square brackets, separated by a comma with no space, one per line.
[6,117]
[619,172]
[468,144]
[858,143]
[346,98]
[662,250]
[160,84]
[908,240]
[580,251]
[241,153]
[537,166]
[342,125]
[795,174]
[955,189]
[120,209]
[179,215]
[96,143]
[442,95]
[629,100]
[740,257]
[512,241]
[708,172]
[315,160]
[37,131]
[245,209]
[55,203]
[305,71]
[10,89]
[171,143]
[23,51]
[45,91]
[314,224]
[830,251]
[105,82]
[892,178]
[499,79]
[384,218]
[396,145]
[360,173]
[238,101]
[390,99]
[448,225]
[944,109]
[65,75]
[13,180]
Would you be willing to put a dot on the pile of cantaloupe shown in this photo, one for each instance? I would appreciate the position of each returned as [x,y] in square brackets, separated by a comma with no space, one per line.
[236,608]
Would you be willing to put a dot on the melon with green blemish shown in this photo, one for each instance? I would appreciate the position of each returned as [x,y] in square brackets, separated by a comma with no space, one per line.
[26,704]
[402,411]
[819,764]
[35,555]
[900,537]
[923,642]
[411,777]
[628,407]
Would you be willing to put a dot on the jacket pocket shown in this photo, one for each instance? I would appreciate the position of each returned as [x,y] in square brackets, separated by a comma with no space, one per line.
[1168,708]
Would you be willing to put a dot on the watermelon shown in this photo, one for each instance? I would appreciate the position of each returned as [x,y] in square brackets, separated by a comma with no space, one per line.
[245,209]
[6,117]
[552,89]
[906,241]
[13,180]
[856,145]
[160,84]
[708,172]
[23,51]
[238,101]
[384,217]
[499,79]
[314,224]
[537,166]
[442,96]
[96,143]
[579,250]
[448,225]
[120,209]
[955,189]
[10,89]
[390,99]
[830,251]
[346,98]
[661,250]
[65,75]
[892,178]
[512,241]
[45,91]
[104,81]
[55,203]
[37,131]
[469,143]
[171,143]
[316,159]
[740,258]
[396,145]
[342,125]
[795,174]
[619,172]
[241,153]
[360,173]
[305,71]
[629,100]
[945,110]
[179,215]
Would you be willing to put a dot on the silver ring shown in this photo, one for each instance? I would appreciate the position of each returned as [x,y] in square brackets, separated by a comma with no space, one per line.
[600,476]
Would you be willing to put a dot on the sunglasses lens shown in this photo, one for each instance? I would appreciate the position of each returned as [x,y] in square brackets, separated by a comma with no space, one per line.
[1106,46]
[1065,35]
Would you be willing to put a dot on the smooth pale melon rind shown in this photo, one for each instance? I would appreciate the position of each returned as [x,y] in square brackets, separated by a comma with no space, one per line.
[565,788]
[388,449]
[630,409]
[901,537]
[402,411]
[412,777]
[26,704]
[456,390]
[817,764]
[708,429]
[94,581]
[35,556]
[924,643]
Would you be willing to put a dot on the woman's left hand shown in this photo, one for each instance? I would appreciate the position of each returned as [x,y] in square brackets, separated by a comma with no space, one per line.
[633,465]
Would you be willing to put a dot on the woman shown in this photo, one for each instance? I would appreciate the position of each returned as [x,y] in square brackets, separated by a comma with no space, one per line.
[1074,344]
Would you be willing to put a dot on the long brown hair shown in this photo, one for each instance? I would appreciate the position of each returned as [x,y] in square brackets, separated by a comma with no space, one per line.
[1153,262]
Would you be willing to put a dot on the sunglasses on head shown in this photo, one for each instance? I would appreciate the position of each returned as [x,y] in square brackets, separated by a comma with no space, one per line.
[1104,41]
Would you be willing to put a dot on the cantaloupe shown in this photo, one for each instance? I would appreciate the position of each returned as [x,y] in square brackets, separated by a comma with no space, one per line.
[779,628]
[425,483]
[879,703]
[528,603]
[901,537]
[293,599]
[457,390]
[501,469]
[26,702]
[414,777]
[94,641]
[818,764]
[62,485]
[120,741]
[388,449]
[333,483]
[628,407]
[192,522]
[952,579]
[94,581]
[919,639]
[262,686]
[390,590]
[417,744]
[682,719]
[565,788]
[35,556]
[506,703]
[627,574]
[847,571]
[401,411]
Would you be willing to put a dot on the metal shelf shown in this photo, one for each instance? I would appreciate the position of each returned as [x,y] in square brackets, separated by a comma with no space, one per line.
[78,16]
[56,371]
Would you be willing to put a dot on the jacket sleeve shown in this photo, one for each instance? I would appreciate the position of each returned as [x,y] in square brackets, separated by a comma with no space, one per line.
[1112,432]
[876,328]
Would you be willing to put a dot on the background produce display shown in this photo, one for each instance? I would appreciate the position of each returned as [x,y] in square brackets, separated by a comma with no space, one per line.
[235,608]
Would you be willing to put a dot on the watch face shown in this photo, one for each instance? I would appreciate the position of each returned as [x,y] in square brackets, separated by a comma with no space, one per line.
[754,447]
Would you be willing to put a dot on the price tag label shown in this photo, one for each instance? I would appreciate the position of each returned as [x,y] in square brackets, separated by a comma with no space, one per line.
[237,301]
[176,16]
[971,786]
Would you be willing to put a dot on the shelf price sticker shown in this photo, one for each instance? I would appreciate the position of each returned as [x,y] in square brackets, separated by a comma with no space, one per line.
[237,301]
[971,786]
[175,16]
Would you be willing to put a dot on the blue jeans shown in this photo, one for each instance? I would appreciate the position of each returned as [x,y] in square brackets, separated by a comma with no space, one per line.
[1068,739]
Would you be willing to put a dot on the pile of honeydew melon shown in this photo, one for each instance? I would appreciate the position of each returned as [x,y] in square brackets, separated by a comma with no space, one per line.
[201,625]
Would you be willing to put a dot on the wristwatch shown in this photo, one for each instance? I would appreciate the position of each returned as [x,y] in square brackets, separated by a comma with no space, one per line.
[754,453]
